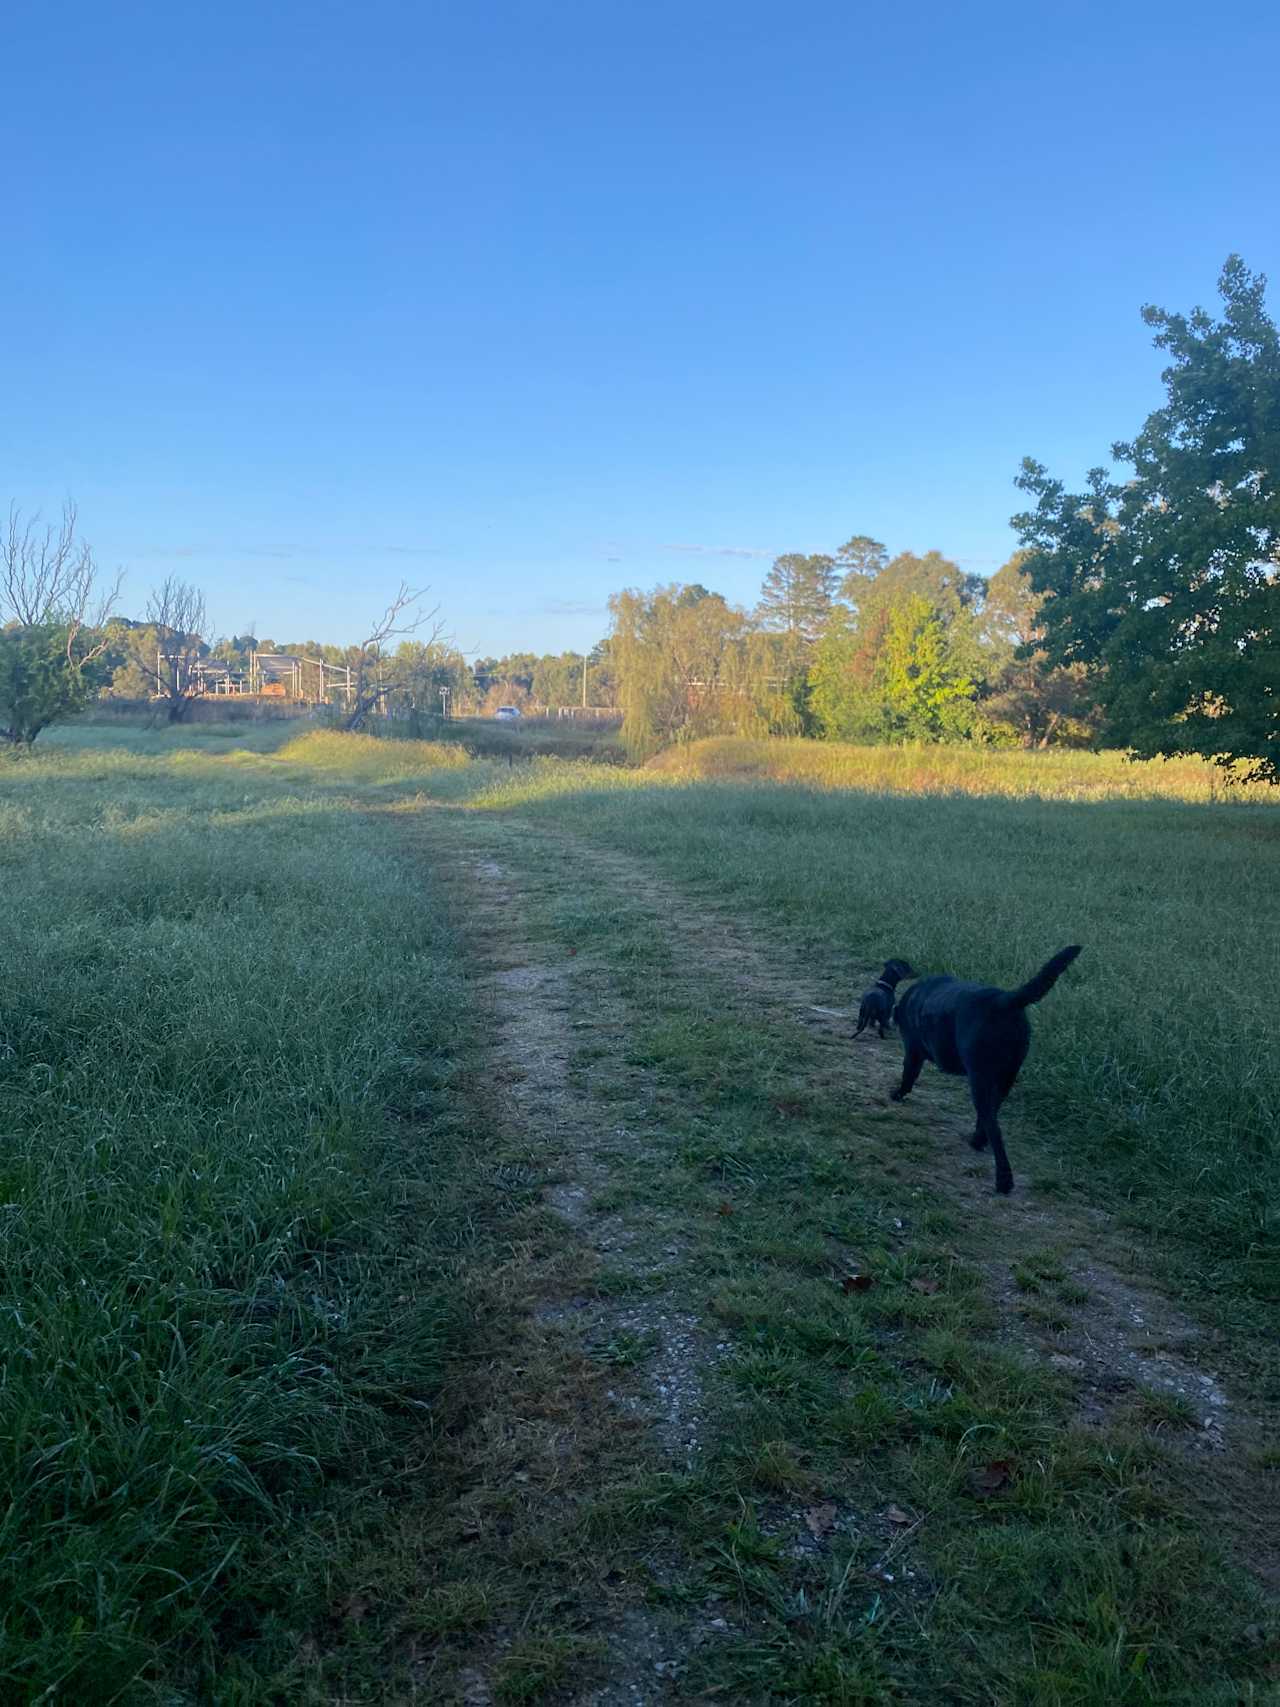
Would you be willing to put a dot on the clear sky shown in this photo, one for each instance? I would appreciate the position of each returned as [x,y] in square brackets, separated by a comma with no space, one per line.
[530,301]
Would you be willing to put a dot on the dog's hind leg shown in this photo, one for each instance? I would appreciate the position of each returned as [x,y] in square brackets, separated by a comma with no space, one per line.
[987,1097]
[912,1062]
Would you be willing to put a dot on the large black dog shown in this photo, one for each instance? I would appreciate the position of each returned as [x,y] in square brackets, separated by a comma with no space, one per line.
[876,1007]
[979,1031]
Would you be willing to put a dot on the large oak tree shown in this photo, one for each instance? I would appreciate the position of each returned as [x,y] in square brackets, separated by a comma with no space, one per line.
[1166,586]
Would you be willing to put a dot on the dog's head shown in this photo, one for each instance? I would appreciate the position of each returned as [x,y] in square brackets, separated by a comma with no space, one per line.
[896,970]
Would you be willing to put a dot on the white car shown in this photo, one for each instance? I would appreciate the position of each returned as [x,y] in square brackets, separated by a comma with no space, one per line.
[508,714]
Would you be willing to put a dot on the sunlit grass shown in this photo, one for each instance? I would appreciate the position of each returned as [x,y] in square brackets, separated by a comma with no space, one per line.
[1056,774]
[366,758]
[1153,1077]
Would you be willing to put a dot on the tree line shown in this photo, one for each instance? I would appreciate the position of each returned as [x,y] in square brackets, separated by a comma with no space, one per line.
[854,645]
[1141,612]
[63,645]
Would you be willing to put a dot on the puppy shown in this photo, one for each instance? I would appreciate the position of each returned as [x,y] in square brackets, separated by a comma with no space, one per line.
[979,1031]
[877,1005]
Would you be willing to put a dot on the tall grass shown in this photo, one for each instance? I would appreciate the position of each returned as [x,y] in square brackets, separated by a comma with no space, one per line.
[1056,774]
[213,1315]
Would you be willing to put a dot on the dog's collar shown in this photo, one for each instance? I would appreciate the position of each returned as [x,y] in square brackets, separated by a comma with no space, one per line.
[881,984]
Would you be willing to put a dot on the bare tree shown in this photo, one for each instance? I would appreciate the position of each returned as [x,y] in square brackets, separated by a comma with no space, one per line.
[404,615]
[48,578]
[166,650]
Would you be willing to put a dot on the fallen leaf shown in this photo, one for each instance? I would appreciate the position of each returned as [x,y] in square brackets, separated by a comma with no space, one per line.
[895,1514]
[354,1607]
[725,1209]
[857,1283]
[998,1474]
[821,1520]
[922,1283]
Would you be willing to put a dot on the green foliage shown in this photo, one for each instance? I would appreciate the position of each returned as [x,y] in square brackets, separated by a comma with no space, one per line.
[842,690]
[424,677]
[41,682]
[1037,699]
[1166,586]
[905,680]
[926,691]
[559,680]
[796,600]
[875,585]
[685,668]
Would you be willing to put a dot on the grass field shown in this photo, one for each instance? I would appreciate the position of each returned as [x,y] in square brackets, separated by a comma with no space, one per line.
[217,985]
[377,1120]
[1156,1079]
[1057,774]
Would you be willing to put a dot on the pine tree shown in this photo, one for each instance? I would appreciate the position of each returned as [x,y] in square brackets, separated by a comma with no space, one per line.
[797,596]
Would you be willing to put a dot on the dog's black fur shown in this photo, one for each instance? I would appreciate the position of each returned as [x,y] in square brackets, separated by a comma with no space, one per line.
[877,1005]
[979,1031]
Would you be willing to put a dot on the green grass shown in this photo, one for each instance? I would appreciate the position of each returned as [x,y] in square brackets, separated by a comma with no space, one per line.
[280,1418]
[531,737]
[226,1031]
[1153,1079]
[983,1545]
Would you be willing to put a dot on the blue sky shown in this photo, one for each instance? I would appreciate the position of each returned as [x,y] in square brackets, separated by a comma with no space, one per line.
[533,301]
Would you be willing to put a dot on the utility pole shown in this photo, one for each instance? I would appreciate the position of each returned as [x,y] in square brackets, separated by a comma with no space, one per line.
[584,681]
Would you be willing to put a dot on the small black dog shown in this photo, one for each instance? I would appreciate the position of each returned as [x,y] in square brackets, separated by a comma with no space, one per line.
[979,1031]
[877,1004]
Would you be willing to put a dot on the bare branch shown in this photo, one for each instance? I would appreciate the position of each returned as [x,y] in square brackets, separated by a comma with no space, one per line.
[167,649]
[47,574]
[403,615]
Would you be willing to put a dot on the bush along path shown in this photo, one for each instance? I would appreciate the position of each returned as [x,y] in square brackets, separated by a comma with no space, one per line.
[768,1398]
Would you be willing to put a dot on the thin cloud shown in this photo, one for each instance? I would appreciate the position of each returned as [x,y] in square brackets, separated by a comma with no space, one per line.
[565,607]
[719,550]
[276,551]
[273,549]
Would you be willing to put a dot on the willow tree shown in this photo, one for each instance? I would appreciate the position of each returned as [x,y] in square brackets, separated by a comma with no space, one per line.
[683,667]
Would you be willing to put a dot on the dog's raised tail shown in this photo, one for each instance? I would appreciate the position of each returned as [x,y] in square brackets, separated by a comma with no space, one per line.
[1038,987]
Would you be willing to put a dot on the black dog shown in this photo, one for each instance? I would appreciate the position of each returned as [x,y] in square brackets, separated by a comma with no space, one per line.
[979,1031]
[877,1004]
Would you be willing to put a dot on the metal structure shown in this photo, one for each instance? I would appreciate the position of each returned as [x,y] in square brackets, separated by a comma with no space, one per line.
[272,675]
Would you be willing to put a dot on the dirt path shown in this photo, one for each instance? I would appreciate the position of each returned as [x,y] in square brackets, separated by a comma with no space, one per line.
[654,1353]
[1121,1332]
[1064,1287]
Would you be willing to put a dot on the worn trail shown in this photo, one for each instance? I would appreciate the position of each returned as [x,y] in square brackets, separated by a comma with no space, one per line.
[559,1077]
